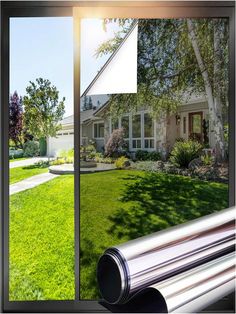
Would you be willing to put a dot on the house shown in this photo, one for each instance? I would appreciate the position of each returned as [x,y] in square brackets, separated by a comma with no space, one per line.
[142,132]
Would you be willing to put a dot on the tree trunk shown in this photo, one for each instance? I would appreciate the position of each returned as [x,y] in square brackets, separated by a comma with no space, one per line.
[213,103]
[220,145]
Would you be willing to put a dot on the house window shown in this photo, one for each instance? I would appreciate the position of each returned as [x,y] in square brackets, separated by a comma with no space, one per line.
[114,125]
[136,131]
[98,130]
[184,125]
[125,126]
[148,131]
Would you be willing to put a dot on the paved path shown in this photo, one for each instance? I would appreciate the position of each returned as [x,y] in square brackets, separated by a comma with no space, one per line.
[26,162]
[69,168]
[31,182]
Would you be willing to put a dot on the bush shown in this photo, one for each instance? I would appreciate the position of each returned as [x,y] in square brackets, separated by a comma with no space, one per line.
[207,160]
[116,144]
[185,151]
[14,154]
[143,155]
[66,155]
[31,149]
[122,162]
[57,162]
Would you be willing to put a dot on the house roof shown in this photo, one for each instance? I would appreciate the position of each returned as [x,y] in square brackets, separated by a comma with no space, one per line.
[84,115]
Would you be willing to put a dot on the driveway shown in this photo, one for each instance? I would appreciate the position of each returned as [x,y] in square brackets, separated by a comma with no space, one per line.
[26,162]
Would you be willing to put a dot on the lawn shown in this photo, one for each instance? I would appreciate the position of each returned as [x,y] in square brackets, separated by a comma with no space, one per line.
[42,242]
[115,206]
[20,173]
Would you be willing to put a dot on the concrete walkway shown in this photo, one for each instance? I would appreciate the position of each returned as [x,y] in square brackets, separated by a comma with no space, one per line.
[26,162]
[31,182]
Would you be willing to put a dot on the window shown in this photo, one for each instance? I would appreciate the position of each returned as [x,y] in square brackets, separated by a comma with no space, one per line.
[148,131]
[125,126]
[184,125]
[136,131]
[98,130]
[114,125]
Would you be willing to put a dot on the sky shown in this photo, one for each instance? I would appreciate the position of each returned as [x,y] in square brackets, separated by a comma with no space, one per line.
[43,47]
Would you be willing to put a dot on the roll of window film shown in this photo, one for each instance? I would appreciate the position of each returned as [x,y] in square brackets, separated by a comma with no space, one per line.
[137,267]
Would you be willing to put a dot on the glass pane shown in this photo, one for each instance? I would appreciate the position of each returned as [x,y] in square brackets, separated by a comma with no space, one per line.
[125,125]
[95,130]
[115,124]
[100,130]
[120,213]
[148,125]
[136,126]
[41,140]
[196,123]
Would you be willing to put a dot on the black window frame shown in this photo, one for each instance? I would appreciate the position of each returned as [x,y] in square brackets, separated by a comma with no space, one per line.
[10,9]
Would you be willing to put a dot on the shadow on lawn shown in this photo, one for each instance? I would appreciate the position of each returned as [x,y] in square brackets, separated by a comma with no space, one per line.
[156,201]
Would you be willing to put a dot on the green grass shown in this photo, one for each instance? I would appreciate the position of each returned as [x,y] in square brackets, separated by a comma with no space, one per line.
[116,206]
[121,205]
[42,242]
[20,173]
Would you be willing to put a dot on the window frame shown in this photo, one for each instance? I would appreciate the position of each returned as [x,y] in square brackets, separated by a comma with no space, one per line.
[99,137]
[103,9]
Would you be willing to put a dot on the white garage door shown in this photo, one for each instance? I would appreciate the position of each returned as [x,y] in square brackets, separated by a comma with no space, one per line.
[62,142]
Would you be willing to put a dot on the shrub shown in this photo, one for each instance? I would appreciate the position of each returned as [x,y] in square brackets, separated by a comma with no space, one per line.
[90,148]
[37,165]
[58,162]
[116,144]
[207,160]
[143,155]
[14,154]
[122,162]
[31,149]
[184,152]
[66,155]
[154,156]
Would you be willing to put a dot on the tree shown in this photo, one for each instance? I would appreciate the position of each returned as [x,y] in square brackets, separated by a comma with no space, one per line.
[15,119]
[85,103]
[90,103]
[176,58]
[43,110]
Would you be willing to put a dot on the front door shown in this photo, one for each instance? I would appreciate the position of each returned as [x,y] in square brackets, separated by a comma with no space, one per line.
[195,126]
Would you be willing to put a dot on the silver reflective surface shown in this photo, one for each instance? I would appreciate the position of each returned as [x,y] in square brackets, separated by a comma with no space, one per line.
[182,289]
[153,259]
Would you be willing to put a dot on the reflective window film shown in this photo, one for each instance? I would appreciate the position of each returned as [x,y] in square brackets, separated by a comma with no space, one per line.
[163,159]
[41,148]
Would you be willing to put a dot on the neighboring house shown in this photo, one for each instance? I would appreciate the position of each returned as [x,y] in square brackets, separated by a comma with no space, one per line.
[141,130]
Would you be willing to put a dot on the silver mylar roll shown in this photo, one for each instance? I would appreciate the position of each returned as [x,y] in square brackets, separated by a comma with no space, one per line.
[130,267]
[199,287]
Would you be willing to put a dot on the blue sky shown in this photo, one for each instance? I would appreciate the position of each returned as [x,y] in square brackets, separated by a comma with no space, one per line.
[43,47]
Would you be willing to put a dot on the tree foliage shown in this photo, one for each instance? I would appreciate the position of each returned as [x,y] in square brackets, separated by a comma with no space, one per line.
[87,103]
[15,118]
[43,110]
